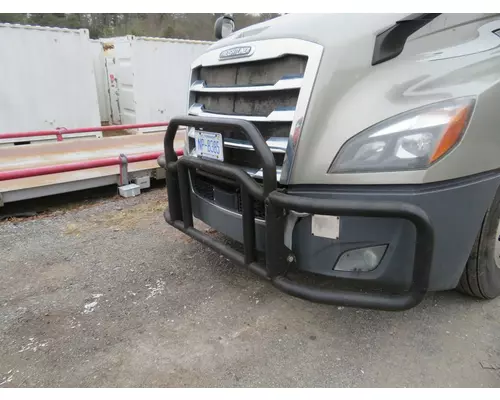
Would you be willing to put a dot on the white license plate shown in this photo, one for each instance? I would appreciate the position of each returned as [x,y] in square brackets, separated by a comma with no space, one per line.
[209,145]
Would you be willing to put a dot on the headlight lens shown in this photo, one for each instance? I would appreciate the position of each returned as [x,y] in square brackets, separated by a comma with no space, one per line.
[412,140]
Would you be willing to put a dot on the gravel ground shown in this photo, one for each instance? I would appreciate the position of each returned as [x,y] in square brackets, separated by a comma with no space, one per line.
[108,294]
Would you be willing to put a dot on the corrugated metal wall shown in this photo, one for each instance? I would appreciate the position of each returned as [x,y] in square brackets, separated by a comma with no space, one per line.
[46,79]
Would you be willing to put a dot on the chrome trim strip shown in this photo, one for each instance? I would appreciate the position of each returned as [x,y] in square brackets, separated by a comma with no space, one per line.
[314,53]
[259,173]
[275,145]
[276,116]
[282,84]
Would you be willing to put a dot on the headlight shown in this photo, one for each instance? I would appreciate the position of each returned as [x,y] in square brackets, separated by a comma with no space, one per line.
[412,140]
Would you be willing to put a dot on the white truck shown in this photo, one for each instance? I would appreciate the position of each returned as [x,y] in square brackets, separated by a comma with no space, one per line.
[359,147]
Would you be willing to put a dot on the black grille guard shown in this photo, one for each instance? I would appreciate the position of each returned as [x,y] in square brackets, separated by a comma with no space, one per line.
[277,203]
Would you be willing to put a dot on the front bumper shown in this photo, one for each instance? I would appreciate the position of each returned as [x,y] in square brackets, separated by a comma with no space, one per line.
[277,204]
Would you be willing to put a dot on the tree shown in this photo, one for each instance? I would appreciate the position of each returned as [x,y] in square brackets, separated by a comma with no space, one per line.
[199,26]
[13,18]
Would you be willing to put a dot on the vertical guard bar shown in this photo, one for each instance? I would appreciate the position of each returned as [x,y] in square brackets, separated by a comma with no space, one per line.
[275,235]
[187,213]
[248,218]
[174,199]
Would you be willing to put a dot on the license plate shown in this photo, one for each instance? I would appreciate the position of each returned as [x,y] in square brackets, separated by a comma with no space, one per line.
[209,145]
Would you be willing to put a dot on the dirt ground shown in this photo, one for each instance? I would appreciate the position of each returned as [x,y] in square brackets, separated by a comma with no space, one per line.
[108,294]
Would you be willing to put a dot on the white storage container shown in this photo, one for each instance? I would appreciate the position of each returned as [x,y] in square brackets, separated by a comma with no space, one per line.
[148,78]
[46,81]
[100,79]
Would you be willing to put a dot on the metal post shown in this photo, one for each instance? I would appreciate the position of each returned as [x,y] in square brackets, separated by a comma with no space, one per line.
[123,170]
[59,133]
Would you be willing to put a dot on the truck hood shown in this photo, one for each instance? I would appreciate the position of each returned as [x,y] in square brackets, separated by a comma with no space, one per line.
[448,58]
[312,27]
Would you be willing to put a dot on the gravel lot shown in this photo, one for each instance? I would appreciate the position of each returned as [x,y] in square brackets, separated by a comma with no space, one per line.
[107,294]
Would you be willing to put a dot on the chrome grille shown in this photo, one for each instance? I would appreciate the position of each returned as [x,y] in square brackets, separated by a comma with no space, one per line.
[264,92]
[270,88]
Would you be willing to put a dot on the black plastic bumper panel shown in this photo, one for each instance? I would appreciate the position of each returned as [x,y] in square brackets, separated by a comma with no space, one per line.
[277,203]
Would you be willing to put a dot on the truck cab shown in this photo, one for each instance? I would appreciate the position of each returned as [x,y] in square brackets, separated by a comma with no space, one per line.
[358,148]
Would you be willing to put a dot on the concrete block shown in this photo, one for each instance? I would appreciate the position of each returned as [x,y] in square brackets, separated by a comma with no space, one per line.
[143,181]
[130,190]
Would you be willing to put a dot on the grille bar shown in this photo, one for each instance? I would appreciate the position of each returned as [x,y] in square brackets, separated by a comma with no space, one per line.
[285,83]
[278,115]
[276,144]
[258,104]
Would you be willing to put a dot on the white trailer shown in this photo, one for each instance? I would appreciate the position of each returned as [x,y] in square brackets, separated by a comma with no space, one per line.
[148,78]
[46,81]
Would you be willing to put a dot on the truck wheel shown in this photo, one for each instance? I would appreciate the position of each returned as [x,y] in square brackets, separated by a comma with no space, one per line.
[481,276]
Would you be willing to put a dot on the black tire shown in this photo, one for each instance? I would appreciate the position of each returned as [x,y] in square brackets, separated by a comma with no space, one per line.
[481,276]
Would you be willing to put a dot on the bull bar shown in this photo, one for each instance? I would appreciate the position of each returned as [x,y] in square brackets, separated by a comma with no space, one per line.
[277,202]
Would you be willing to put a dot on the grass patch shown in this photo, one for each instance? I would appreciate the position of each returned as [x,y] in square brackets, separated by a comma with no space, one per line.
[120,219]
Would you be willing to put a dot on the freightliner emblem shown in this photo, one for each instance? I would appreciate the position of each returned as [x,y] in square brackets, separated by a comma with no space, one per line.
[236,52]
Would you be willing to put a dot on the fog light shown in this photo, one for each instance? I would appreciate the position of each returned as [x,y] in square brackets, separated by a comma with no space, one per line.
[365,259]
